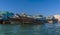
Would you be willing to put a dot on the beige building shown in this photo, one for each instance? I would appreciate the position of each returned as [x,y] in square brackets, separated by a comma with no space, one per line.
[57,17]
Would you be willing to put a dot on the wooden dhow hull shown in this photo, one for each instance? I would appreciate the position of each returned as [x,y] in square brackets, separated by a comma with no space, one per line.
[21,20]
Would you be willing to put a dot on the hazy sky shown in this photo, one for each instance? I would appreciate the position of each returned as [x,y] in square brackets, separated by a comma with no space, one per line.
[44,7]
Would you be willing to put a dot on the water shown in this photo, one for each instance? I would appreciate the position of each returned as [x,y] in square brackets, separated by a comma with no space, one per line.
[45,29]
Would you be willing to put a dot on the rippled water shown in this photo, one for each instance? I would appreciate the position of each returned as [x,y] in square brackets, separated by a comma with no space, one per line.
[44,29]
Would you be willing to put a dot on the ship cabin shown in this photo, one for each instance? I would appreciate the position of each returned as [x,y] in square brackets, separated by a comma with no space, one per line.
[39,18]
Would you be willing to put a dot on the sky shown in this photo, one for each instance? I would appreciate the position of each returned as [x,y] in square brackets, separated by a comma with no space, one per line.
[31,7]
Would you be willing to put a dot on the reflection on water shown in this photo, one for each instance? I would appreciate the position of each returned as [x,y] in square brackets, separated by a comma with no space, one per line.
[45,29]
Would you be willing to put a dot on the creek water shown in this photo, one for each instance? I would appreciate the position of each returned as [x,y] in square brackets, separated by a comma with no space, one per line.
[44,29]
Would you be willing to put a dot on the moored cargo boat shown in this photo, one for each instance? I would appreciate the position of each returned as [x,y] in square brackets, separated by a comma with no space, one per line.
[10,18]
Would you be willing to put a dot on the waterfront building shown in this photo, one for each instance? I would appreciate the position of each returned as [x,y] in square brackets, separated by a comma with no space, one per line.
[6,15]
[2,14]
[57,17]
[50,19]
